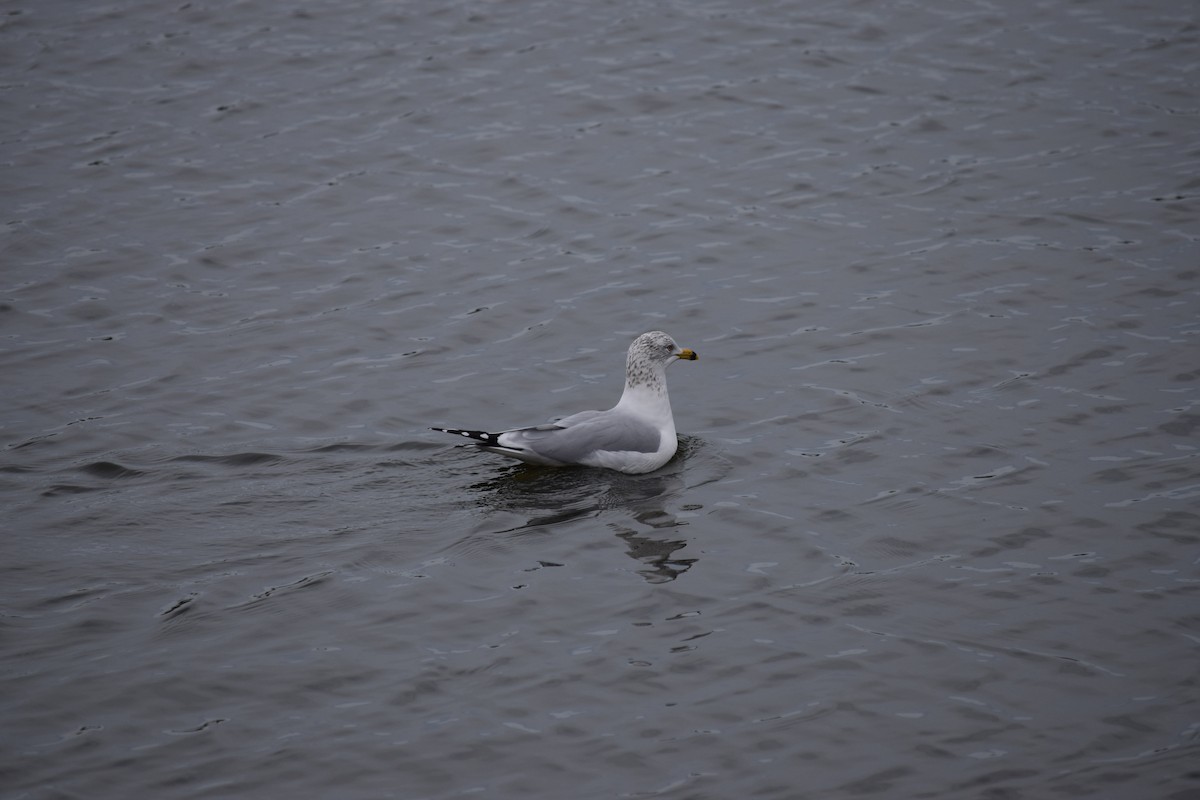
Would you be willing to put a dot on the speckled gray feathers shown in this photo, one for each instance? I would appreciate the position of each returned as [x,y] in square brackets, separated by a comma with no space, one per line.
[647,354]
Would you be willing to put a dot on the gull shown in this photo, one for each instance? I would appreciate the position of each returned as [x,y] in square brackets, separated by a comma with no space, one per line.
[635,436]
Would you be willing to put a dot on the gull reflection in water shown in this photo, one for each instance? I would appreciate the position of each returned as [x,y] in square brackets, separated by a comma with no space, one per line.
[548,497]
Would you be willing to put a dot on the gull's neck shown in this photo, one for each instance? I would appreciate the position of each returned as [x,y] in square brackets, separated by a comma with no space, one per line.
[646,389]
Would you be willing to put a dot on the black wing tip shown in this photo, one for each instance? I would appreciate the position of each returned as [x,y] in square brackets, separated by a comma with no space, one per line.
[479,436]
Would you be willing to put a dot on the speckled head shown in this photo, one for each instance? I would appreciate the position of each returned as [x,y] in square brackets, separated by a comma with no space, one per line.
[649,355]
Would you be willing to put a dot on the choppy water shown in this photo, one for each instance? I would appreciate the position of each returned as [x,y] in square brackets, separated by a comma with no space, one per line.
[933,530]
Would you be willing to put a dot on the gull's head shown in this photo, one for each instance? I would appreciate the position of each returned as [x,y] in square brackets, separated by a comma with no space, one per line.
[658,347]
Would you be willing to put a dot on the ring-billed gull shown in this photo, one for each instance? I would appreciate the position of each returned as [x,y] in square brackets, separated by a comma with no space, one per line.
[636,435]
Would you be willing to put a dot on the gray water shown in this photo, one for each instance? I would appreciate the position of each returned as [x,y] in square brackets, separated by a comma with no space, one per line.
[933,529]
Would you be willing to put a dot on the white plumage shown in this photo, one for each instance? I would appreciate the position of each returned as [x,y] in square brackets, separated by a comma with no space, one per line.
[636,435]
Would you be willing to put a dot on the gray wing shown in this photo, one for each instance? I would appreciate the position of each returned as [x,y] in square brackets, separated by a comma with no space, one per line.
[575,437]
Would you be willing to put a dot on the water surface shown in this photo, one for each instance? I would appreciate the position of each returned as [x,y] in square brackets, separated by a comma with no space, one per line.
[932,532]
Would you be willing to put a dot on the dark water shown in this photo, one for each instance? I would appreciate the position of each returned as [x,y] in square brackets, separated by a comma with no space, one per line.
[933,531]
